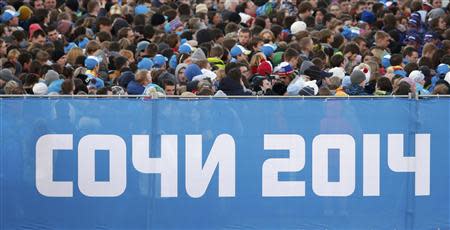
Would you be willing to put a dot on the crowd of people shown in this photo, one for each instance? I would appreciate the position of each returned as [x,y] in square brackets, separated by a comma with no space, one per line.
[224,47]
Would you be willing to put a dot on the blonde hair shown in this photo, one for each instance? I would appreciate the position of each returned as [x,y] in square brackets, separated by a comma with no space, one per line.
[124,43]
[266,31]
[73,54]
[13,54]
[428,48]
[127,53]
[256,59]
[141,76]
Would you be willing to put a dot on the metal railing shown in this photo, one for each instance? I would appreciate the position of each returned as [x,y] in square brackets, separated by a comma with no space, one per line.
[198,97]
[223,97]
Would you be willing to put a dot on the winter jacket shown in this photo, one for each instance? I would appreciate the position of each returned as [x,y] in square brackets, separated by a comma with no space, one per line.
[355,89]
[231,87]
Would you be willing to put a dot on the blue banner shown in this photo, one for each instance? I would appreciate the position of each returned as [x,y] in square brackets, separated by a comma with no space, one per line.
[224,163]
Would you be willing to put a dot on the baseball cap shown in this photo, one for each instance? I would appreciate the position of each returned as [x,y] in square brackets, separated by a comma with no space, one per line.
[429,36]
[238,50]
[159,60]
[91,62]
[185,49]
[9,14]
[268,49]
[141,9]
[413,38]
[442,69]
[141,46]
[145,63]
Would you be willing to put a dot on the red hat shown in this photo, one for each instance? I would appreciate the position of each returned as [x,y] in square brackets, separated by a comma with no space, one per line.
[33,28]
[264,68]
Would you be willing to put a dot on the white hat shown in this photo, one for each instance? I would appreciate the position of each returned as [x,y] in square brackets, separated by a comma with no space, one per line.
[447,77]
[244,17]
[298,26]
[40,89]
[201,8]
[417,76]
[312,84]
[337,72]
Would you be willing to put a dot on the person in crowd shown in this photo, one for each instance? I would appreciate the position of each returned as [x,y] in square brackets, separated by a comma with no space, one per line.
[228,47]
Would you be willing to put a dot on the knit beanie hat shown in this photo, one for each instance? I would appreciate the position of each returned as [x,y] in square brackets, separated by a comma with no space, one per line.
[157,19]
[264,68]
[191,71]
[203,36]
[40,88]
[51,76]
[357,77]
[198,55]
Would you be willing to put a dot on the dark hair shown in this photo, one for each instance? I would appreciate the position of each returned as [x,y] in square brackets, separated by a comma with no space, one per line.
[38,33]
[336,60]
[24,57]
[260,21]
[149,32]
[290,53]
[411,67]
[403,88]
[384,84]
[304,7]
[167,82]
[104,36]
[67,87]
[396,59]
[408,51]
[351,48]
[119,62]
[235,74]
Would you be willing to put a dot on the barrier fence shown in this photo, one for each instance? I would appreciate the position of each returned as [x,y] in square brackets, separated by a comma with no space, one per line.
[115,163]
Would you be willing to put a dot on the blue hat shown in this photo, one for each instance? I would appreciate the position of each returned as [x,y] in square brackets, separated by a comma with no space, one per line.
[185,49]
[145,63]
[159,60]
[368,17]
[8,15]
[413,38]
[413,21]
[238,50]
[267,49]
[55,86]
[69,47]
[346,81]
[82,44]
[191,71]
[91,62]
[350,33]
[141,9]
[429,36]
[173,62]
[142,46]
[442,69]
